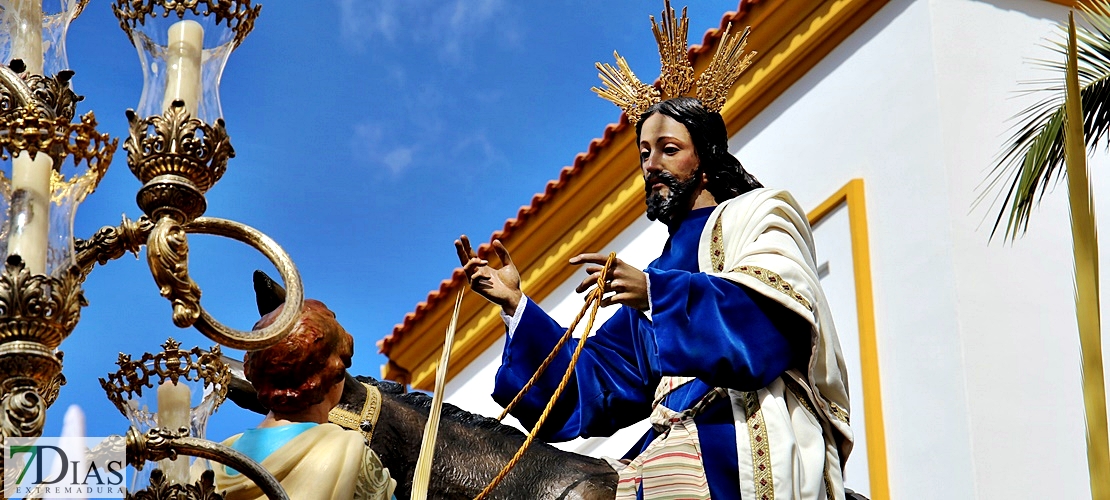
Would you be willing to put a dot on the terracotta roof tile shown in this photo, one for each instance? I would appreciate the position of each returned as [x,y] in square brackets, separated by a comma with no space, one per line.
[448,286]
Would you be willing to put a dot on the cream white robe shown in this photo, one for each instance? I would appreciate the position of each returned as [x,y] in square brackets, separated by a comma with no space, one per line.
[325,462]
[793,435]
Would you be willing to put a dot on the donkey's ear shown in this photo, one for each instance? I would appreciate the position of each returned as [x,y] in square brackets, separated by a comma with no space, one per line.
[267,293]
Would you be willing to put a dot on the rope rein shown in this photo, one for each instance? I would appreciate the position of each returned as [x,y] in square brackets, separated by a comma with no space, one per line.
[593,302]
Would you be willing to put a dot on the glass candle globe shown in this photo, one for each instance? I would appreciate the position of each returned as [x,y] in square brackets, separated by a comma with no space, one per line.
[174,388]
[47,168]
[35,32]
[183,52]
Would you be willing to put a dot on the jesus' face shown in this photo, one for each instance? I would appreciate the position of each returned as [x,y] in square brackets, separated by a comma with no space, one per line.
[669,163]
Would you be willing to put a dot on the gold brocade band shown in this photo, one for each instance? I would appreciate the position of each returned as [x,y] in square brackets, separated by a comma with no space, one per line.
[768,277]
[366,420]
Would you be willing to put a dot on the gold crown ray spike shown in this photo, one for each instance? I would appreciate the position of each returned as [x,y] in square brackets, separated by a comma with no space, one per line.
[634,97]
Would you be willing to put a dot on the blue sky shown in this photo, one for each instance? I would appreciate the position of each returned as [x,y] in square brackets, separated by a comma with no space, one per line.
[369,134]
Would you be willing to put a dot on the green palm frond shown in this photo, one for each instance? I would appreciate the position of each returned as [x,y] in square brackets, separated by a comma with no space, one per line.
[1033,158]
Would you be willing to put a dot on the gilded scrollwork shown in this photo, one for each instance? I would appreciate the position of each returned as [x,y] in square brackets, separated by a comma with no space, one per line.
[22,413]
[294,297]
[14,92]
[111,242]
[175,143]
[167,252]
[37,312]
[171,195]
[36,307]
[25,130]
[161,489]
[27,364]
[154,445]
[54,93]
[238,14]
[159,444]
[67,298]
[51,390]
[82,143]
[171,364]
[48,96]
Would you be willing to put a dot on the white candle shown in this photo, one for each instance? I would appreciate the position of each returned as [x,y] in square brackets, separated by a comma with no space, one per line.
[29,213]
[27,34]
[173,412]
[30,209]
[183,65]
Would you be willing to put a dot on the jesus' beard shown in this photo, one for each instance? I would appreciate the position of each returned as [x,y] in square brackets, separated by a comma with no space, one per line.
[665,208]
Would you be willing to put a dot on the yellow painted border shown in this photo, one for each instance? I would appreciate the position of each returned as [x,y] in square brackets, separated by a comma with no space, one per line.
[852,195]
[1068,3]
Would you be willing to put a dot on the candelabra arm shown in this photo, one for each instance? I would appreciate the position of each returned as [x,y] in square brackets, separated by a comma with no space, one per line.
[167,253]
[160,444]
[110,243]
[294,293]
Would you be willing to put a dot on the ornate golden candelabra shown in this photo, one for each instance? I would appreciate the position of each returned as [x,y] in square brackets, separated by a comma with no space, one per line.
[177,147]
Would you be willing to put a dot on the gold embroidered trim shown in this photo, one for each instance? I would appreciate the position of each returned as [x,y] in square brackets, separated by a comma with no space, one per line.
[840,413]
[773,280]
[717,247]
[364,422]
[793,386]
[769,278]
[761,449]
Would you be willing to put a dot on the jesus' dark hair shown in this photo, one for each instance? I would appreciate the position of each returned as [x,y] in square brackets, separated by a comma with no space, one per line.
[726,176]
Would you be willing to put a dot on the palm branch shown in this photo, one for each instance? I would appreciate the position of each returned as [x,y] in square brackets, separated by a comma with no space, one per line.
[1058,131]
[1032,160]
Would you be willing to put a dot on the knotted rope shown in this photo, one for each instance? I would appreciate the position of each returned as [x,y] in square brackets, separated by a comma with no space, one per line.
[593,301]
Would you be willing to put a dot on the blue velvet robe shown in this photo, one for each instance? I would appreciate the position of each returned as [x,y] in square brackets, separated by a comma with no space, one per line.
[702,326]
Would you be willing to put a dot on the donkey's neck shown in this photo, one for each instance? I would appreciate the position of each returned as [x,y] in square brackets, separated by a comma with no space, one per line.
[471,450]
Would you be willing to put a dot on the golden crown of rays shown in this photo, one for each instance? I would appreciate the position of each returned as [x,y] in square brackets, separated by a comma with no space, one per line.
[677,74]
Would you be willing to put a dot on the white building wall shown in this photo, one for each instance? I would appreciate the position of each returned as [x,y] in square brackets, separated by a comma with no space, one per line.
[977,342]
[870,110]
[1016,308]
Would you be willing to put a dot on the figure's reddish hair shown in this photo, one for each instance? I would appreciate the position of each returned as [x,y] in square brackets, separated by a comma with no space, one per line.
[298,371]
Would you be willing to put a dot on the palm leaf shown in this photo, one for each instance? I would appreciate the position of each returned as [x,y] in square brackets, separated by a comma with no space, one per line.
[1085,258]
[1032,160]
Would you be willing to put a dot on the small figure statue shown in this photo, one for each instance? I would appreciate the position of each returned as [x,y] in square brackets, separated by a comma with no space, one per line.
[300,379]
